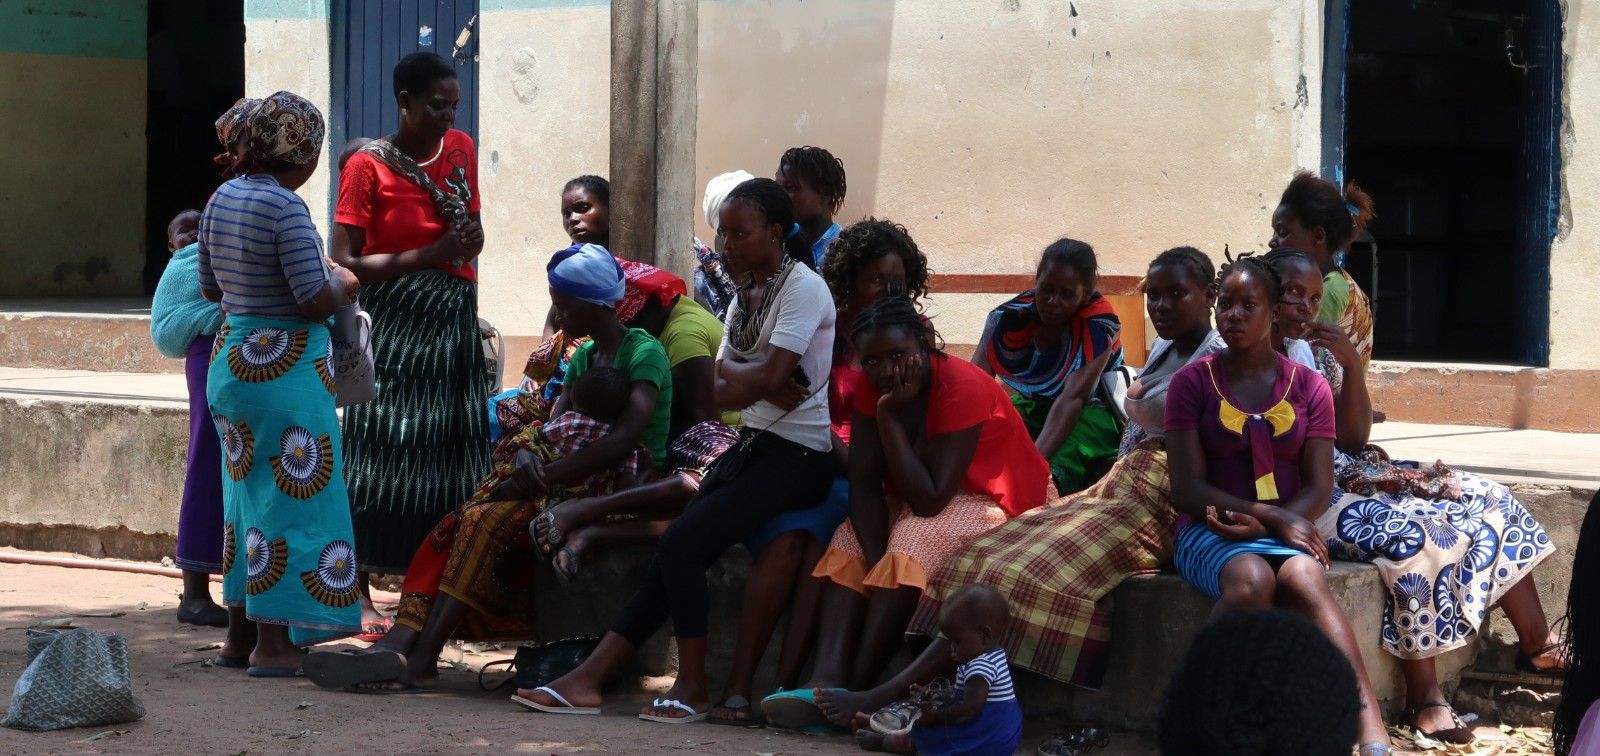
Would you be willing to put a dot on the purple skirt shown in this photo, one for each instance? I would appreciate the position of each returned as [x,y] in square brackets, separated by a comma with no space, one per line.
[200,518]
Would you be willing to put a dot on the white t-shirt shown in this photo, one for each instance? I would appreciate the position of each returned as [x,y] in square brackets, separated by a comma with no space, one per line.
[804,325]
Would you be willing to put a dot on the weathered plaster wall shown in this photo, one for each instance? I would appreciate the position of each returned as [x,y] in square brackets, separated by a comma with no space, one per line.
[73,187]
[543,119]
[1575,255]
[991,129]
[286,47]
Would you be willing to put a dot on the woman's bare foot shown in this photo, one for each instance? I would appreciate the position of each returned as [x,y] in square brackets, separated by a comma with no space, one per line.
[842,706]
[580,693]
[735,708]
[690,693]
[1552,655]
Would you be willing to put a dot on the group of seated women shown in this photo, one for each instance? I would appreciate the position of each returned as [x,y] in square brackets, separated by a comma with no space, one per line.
[802,404]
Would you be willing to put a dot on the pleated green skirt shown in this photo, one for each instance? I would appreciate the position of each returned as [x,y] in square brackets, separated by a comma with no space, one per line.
[416,451]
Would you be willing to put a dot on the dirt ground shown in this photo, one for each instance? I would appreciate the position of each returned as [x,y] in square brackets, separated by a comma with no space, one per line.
[195,709]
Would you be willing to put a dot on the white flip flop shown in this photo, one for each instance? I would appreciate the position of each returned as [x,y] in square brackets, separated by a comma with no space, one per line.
[566,706]
[673,703]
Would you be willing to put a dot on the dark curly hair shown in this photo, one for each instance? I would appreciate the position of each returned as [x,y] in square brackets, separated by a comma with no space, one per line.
[1318,203]
[596,186]
[819,168]
[1265,682]
[1255,265]
[866,242]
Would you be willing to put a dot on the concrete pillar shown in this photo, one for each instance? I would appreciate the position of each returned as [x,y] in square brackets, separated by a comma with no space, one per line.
[654,60]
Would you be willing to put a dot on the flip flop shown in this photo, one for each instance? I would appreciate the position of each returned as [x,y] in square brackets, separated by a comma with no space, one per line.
[337,670]
[736,703]
[387,688]
[372,632]
[794,709]
[275,672]
[565,706]
[230,662]
[690,715]
[553,538]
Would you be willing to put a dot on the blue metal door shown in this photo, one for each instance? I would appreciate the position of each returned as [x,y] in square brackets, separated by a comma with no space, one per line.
[370,36]
[1539,189]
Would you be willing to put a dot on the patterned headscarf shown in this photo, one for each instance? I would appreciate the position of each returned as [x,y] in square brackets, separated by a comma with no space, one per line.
[229,123]
[644,283]
[286,127]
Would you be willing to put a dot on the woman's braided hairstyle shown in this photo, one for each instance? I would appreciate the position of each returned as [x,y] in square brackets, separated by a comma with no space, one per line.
[819,168]
[1192,260]
[1255,265]
[896,311]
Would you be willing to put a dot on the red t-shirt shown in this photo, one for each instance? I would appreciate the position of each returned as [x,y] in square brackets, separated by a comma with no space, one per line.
[1006,466]
[396,213]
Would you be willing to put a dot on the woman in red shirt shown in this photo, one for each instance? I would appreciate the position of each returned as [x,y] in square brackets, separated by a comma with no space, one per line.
[938,456]
[407,225]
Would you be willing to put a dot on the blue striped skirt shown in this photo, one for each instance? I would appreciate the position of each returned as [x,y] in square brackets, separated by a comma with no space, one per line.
[1201,554]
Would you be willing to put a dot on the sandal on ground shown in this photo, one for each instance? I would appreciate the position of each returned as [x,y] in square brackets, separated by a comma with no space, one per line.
[1075,742]
[689,714]
[1460,734]
[551,537]
[387,688]
[275,671]
[570,571]
[563,706]
[337,670]
[737,704]
[896,718]
[878,742]
[1526,666]
[372,632]
[1375,749]
[794,709]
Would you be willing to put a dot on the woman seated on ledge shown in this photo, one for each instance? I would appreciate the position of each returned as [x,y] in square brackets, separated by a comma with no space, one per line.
[1050,346]
[938,457]
[1250,442]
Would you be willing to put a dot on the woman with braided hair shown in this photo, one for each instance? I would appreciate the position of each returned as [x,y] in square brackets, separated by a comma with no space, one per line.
[1250,439]
[814,179]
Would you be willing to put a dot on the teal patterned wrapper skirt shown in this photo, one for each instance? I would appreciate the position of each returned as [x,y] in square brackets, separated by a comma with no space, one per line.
[288,550]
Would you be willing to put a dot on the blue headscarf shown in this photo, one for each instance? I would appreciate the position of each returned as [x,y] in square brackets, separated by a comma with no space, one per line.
[587,272]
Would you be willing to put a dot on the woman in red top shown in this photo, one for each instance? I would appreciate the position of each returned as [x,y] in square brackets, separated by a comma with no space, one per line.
[938,456]
[407,226]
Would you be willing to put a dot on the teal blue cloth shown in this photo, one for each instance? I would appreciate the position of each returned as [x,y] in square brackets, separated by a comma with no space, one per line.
[178,314]
[288,554]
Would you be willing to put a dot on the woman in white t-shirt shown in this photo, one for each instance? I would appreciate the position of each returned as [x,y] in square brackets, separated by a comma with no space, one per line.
[774,363]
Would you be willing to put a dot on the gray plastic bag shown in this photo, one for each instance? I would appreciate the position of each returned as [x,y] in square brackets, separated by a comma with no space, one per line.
[79,679]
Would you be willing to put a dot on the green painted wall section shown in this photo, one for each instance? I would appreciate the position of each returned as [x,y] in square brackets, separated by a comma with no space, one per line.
[81,28]
[267,10]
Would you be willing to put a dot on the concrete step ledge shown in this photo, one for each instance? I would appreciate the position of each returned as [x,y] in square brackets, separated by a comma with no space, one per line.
[81,341]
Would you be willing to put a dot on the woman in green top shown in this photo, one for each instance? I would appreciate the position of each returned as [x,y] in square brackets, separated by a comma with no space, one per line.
[472,578]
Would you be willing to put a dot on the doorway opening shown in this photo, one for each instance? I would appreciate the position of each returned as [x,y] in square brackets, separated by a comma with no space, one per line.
[196,71]
[1451,109]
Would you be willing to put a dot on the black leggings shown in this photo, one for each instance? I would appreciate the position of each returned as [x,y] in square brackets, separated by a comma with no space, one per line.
[775,476]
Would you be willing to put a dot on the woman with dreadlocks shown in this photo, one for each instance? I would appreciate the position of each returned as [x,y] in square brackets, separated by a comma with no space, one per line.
[814,179]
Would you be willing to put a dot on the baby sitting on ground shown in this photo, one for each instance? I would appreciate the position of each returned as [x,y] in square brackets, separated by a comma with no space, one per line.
[980,714]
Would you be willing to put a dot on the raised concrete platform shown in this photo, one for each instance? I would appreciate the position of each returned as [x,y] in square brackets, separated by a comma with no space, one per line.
[80,334]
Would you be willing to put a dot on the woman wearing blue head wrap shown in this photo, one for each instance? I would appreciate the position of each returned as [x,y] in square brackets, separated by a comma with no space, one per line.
[456,582]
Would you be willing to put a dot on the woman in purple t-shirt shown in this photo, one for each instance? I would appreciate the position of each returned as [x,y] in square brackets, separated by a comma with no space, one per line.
[1250,454]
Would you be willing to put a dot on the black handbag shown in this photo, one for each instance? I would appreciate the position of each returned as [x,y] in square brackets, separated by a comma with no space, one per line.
[536,666]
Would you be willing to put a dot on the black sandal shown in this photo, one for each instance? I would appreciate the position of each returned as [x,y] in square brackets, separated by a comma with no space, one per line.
[1075,742]
[1460,734]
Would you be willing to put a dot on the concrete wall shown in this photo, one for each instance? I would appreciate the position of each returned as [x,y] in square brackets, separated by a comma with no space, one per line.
[286,46]
[1575,255]
[73,187]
